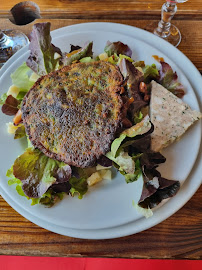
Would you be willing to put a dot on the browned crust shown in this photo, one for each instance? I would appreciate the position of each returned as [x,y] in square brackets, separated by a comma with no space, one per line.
[73,114]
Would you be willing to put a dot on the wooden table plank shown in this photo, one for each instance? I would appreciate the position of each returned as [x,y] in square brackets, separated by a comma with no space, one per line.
[106,9]
[179,237]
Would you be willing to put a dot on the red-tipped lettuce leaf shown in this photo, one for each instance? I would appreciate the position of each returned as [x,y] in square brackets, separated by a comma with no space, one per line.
[10,107]
[151,160]
[118,48]
[169,79]
[62,176]
[37,172]
[42,51]
[156,189]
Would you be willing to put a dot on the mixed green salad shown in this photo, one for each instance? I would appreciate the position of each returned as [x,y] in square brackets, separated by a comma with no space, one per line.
[44,180]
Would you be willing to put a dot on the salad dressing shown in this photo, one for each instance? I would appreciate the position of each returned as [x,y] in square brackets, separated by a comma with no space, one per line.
[157,58]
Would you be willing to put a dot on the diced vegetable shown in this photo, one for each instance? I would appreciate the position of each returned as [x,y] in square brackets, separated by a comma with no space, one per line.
[13,90]
[18,117]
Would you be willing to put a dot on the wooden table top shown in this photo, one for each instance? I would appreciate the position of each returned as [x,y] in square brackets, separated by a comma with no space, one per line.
[178,237]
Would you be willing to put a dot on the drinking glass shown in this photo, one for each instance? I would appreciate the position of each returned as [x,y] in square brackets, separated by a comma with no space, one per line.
[12,40]
[164,28]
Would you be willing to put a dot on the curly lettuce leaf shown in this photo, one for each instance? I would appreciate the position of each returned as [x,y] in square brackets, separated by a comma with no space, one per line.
[78,181]
[156,189]
[49,198]
[37,172]
[169,79]
[118,48]
[129,166]
[78,186]
[42,59]
[140,128]
[85,51]
[21,95]
[36,175]
[116,144]
[129,72]
[114,58]
[151,160]
[150,72]
[125,162]
[135,175]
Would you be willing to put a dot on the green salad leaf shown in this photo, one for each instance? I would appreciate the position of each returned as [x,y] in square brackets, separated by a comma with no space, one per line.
[21,95]
[116,144]
[146,212]
[84,52]
[20,132]
[150,72]
[125,162]
[79,186]
[138,116]
[87,59]
[20,78]
[128,165]
[3,98]
[138,129]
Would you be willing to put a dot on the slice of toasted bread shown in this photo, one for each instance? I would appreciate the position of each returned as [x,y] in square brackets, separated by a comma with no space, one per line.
[170,116]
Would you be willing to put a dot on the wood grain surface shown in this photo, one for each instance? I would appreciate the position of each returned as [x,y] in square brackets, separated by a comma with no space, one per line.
[180,236]
[106,8]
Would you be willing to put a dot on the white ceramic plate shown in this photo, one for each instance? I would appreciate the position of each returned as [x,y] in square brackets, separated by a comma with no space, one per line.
[106,211]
